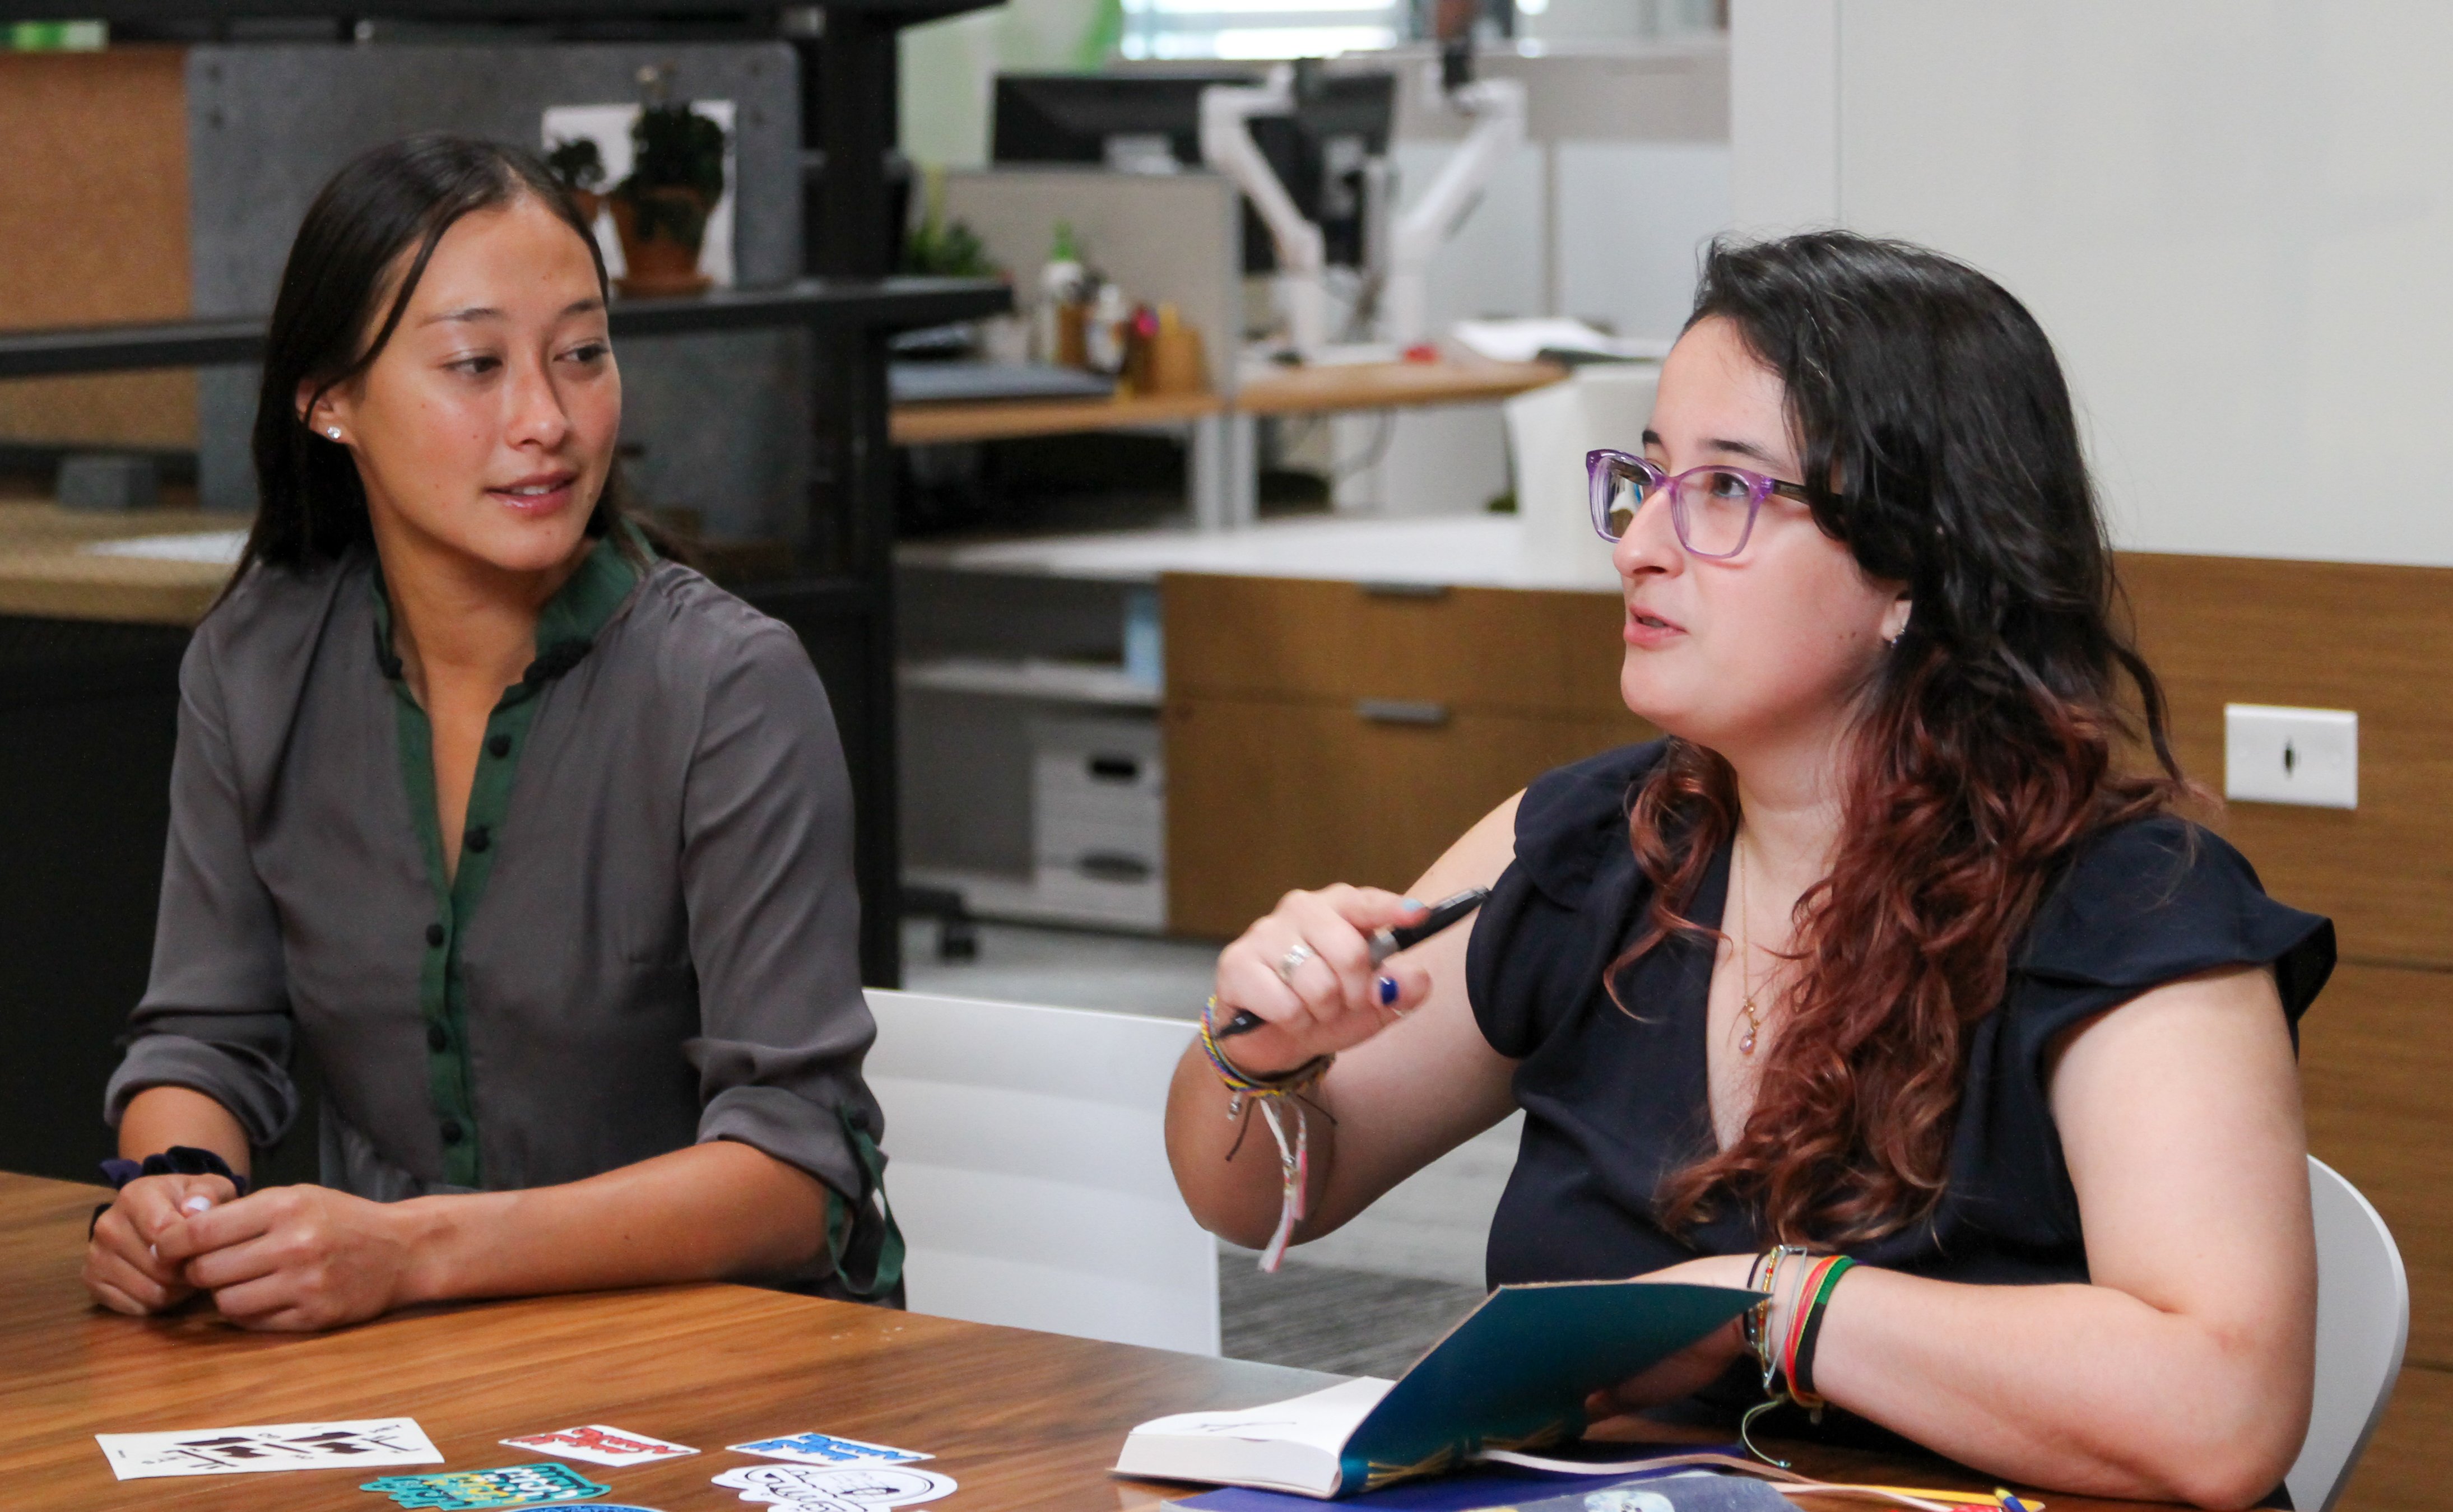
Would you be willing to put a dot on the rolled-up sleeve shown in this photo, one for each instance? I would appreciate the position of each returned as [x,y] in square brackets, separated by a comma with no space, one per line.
[215,1016]
[774,922]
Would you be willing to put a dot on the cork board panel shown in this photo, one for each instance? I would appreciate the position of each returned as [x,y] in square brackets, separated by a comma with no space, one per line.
[93,228]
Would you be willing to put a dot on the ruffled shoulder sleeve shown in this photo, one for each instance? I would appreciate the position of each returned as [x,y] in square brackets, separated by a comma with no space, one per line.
[1555,915]
[2149,901]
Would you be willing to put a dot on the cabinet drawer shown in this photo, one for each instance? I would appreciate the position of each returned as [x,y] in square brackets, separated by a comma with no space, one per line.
[1483,649]
[1269,794]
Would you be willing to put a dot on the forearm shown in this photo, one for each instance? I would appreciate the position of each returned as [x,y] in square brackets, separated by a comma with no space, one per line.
[1228,1169]
[713,1211]
[2078,1388]
[160,1116]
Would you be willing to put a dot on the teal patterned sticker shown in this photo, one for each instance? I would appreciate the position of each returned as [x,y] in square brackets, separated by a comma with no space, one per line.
[480,1490]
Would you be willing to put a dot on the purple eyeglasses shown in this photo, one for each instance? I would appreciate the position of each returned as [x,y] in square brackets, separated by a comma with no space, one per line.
[1711,508]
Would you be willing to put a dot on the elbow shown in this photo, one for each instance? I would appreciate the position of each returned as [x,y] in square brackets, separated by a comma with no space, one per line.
[2236,1453]
[2232,1486]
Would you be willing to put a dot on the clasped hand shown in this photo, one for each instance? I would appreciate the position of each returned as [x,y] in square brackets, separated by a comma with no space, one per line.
[1330,996]
[289,1259]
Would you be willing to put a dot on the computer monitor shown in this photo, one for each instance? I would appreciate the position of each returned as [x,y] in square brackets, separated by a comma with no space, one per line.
[1151,122]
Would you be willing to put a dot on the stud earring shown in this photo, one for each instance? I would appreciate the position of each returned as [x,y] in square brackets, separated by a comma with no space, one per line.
[335,433]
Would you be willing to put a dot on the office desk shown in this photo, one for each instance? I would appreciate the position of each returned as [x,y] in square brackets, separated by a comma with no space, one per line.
[1020,1420]
[46,571]
[1221,488]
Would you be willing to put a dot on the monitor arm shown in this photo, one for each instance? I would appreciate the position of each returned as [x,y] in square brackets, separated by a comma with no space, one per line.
[1497,108]
[1226,145]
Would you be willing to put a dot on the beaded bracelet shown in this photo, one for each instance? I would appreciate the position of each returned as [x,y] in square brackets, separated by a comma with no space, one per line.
[1272,1093]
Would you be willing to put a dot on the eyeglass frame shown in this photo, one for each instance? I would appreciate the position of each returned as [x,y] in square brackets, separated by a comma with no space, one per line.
[1602,464]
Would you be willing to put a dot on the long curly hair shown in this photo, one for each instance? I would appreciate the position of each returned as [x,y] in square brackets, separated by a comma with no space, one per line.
[1939,445]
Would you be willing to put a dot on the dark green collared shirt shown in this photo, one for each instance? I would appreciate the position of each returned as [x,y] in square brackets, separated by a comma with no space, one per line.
[650,941]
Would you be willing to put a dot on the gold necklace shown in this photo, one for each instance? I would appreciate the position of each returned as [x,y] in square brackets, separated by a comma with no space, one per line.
[1745,957]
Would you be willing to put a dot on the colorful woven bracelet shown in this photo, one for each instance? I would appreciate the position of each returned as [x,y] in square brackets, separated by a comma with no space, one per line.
[1801,1375]
[1798,1312]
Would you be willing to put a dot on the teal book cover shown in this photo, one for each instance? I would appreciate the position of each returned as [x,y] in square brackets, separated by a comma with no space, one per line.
[1516,1372]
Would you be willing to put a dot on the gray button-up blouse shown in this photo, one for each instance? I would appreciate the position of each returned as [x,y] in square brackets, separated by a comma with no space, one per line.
[650,941]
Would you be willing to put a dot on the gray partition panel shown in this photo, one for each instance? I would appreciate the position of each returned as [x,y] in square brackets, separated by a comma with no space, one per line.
[724,419]
[1171,238]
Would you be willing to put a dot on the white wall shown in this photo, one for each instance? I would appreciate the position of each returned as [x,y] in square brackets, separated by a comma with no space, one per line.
[2236,221]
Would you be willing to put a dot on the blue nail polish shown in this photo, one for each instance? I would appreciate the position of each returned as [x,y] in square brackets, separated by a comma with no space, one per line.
[1388,991]
[1413,903]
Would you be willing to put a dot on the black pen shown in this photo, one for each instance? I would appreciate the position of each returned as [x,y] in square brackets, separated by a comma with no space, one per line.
[1384,942]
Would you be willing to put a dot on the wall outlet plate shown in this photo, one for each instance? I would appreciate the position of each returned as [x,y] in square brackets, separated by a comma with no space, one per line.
[2276,755]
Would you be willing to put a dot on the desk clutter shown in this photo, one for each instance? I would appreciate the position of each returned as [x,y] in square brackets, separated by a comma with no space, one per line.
[818,1470]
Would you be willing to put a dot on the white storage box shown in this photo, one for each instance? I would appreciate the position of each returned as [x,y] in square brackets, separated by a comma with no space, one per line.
[1098,818]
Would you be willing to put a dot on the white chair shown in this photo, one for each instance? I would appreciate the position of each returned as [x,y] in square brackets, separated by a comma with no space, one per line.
[2363,1321]
[1026,1163]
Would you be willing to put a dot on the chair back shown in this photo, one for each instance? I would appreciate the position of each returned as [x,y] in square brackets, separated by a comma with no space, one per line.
[1026,1163]
[2363,1321]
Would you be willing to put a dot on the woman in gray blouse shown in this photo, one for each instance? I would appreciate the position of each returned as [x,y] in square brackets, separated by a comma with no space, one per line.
[539,845]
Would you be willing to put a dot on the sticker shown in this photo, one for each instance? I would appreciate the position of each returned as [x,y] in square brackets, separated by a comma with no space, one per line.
[598,1445]
[1619,1499]
[357,1444]
[825,1448]
[477,1490]
[809,1486]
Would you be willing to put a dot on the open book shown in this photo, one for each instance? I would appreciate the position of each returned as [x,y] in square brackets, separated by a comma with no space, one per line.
[1513,1374]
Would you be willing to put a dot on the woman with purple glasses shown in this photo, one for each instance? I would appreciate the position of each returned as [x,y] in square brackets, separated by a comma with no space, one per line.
[1888,981]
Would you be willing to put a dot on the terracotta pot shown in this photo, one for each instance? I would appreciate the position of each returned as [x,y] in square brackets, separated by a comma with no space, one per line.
[659,264]
[589,203]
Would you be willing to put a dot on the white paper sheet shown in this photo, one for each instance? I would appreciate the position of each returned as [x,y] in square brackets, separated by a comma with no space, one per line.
[357,1444]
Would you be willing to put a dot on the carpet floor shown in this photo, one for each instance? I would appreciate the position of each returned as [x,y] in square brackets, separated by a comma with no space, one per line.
[1322,1318]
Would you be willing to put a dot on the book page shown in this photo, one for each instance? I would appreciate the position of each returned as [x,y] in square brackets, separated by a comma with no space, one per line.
[1321,1421]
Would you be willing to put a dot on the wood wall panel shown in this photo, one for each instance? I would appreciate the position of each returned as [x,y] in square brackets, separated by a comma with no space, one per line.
[2378,639]
[2376,1071]
[93,228]
[2405,1467]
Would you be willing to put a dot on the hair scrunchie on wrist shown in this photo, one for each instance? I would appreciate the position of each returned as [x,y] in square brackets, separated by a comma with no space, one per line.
[179,1160]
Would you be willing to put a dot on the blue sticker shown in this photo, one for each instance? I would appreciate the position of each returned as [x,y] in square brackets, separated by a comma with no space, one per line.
[483,1490]
[825,1448]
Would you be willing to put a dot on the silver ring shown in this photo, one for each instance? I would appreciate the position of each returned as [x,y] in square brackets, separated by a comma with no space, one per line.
[1292,961]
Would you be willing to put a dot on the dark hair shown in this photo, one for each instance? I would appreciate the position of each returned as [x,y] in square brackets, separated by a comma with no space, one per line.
[385,210]
[1938,445]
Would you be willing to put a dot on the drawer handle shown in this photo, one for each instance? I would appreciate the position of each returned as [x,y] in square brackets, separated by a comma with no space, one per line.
[1405,590]
[1114,770]
[1109,866]
[1401,711]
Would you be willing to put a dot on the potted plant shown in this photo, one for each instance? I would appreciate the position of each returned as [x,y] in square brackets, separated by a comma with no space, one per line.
[661,210]
[580,167]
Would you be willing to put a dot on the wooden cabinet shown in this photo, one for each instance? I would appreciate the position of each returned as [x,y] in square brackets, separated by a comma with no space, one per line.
[1327,732]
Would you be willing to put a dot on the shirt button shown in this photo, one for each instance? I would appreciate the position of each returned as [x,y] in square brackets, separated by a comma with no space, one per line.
[477,839]
[434,934]
[451,1131]
[436,1037]
[499,747]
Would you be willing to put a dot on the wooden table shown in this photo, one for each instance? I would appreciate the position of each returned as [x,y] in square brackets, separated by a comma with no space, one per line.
[1020,1420]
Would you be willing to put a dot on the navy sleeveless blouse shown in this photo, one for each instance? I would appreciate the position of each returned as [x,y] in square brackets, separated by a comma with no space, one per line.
[1615,1100]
